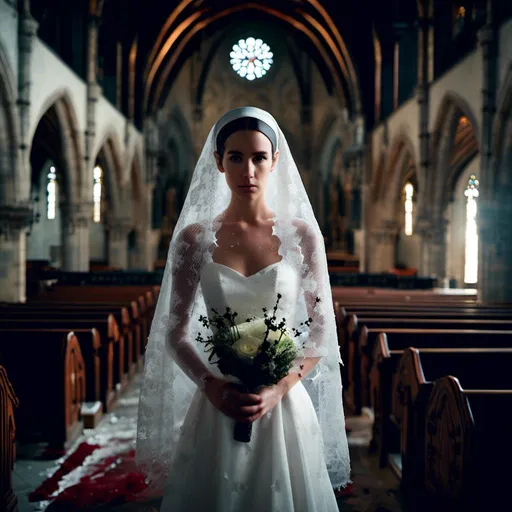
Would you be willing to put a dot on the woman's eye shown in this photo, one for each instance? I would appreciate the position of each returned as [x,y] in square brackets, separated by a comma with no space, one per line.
[259,159]
[235,158]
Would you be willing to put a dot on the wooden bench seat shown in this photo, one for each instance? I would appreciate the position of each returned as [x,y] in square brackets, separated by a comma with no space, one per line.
[111,350]
[475,368]
[399,391]
[128,323]
[47,372]
[467,449]
[8,404]
[360,340]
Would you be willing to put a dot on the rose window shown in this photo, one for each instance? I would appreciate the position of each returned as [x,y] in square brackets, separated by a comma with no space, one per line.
[251,58]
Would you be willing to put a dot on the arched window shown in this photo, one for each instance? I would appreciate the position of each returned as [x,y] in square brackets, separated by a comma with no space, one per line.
[471,260]
[408,205]
[97,191]
[251,58]
[51,188]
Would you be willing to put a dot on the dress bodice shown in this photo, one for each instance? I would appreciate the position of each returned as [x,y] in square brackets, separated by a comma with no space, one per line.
[224,287]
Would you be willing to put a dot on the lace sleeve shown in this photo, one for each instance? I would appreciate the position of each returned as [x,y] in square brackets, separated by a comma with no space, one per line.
[315,287]
[185,280]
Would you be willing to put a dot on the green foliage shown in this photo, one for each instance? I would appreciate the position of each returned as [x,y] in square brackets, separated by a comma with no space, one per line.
[275,352]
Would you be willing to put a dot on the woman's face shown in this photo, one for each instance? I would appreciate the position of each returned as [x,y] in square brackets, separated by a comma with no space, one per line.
[247,163]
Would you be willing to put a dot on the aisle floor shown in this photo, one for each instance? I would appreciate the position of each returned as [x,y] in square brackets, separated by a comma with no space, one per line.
[373,490]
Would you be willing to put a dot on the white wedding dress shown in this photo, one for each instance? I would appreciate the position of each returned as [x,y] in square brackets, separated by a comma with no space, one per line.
[282,468]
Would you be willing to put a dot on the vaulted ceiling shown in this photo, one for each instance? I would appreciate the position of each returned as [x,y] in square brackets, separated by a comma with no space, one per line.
[158,37]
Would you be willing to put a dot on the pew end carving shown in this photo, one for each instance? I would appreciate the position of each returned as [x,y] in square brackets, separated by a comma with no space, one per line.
[8,403]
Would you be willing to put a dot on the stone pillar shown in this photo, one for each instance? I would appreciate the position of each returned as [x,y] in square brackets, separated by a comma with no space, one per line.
[433,235]
[13,224]
[425,75]
[118,243]
[76,219]
[151,146]
[494,209]
[27,28]
[384,247]
[488,43]
[93,88]
[142,257]
[495,247]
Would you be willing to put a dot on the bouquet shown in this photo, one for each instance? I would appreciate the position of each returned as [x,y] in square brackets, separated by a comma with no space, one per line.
[259,351]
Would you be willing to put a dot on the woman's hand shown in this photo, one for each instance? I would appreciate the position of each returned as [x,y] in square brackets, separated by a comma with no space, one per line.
[230,401]
[270,397]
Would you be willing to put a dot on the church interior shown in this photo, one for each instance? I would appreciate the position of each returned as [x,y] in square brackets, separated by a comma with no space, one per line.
[399,116]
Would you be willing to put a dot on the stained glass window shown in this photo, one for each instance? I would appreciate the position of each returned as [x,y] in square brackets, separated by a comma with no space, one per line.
[97,192]
[51,188]
[251,58]
[409,192]
[471,260]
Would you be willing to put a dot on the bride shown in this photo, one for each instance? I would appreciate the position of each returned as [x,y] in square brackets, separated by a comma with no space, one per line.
[246,233]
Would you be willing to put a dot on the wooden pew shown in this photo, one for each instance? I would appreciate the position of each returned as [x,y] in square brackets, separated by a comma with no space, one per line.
[467,450]
[129,323]
[361,340]
[96,383]
[427,311]
[111,350]
[432,338]
[475,368]
[48,373]
[8,403]
[399,388]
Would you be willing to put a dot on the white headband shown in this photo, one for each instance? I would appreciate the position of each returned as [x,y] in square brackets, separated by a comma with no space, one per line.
[254,112]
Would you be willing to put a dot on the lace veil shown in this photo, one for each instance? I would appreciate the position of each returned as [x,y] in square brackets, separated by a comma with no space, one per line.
[175,364]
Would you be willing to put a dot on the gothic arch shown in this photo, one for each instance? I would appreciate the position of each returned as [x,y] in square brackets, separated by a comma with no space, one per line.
[310,18]
[9,133]
[502,135]
[455,142]
[401,162]
[58,118]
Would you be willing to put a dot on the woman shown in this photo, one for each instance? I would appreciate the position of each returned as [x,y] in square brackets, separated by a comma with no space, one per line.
[246,233]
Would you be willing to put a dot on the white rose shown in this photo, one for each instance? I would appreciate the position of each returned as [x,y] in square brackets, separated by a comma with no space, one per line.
[252,335]
[247,346]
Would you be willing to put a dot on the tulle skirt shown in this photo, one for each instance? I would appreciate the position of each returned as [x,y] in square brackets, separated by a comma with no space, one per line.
[282,469]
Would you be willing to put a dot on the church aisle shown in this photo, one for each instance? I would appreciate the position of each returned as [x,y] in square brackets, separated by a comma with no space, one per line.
[112,444]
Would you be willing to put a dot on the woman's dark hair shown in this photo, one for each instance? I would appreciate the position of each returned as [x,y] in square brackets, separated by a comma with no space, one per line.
[244,123]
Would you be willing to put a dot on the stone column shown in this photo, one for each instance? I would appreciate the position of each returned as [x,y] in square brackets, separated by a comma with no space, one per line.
[425,75]
[495,247]
[27,28]
[488,43]
[384,247]
[142,257]
[151,146]
[13,224]
[433,247]
[494,208]
[118,243]
[76,219]
[93,89]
